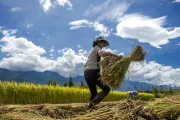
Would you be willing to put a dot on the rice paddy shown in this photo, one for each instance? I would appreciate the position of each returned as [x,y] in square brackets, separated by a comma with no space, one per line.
[29,93]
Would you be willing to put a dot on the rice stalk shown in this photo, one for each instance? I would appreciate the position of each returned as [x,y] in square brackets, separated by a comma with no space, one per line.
[114,69]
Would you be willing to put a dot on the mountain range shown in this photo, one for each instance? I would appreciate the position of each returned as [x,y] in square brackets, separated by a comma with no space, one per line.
[44,77]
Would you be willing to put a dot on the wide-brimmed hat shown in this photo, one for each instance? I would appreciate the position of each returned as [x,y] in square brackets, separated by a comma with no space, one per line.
[101,38]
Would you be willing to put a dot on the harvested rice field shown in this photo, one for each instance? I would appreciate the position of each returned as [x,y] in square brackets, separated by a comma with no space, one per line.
[167,108]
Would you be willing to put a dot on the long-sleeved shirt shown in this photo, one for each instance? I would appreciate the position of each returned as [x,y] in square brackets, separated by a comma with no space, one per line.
[133,95]
[133,92]
[92,62]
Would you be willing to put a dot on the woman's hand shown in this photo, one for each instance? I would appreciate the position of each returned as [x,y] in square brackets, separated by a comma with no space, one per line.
[108,53]
[120,56]
[115,55]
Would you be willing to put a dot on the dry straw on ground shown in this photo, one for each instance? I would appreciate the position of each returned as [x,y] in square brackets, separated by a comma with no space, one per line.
[160,109]
[114,69]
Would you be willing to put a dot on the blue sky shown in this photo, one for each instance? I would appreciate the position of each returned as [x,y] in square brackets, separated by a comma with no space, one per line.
[58,34]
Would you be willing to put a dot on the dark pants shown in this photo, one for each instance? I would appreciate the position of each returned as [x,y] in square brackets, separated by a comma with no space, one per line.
[92,78]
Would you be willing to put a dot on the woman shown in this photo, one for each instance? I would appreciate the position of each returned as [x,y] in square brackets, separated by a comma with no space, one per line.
[92,71]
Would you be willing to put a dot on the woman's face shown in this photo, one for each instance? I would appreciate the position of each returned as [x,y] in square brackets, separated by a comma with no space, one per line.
[101,44]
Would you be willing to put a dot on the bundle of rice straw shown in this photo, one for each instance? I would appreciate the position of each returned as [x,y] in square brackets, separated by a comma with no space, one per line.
[114,69]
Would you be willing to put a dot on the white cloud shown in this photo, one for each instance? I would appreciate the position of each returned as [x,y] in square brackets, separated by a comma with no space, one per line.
[104,31]
[14,46]
[176,1]
[109,10]
[47,4]
[65,3]
[52,49]
[71,62]
[23,55]
[114,12]
[111,50]
[63,50]
[146,29]
[79,22]
[114,51]
[15,9]
[29,25]
[82,52]
[178,44]
[79,46]
[7,32]
[154,73]
[97,8]
[76,27]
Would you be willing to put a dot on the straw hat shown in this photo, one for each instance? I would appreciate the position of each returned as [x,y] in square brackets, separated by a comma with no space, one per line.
[101,38]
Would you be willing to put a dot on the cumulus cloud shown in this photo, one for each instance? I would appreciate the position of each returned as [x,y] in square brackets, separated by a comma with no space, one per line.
[15,9]
[13,46]
[104,31]
[154,73]
[23,55]
[109,10]
[146,29]
[47,4]
[71,62]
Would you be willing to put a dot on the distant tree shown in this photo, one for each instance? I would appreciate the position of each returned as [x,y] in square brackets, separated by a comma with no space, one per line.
[155,91]
[70,82]
[135,87]
[52,82]
[82,84]
[170,90]
[65,84]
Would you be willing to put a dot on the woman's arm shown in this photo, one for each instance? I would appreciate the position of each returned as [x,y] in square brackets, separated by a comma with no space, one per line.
[115,55]
[103,53]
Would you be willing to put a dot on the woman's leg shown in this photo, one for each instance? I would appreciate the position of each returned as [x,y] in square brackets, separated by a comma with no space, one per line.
[91,82]
[101,95]
[105,90]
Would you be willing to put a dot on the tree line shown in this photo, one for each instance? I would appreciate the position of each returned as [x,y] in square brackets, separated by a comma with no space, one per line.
[69,83]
